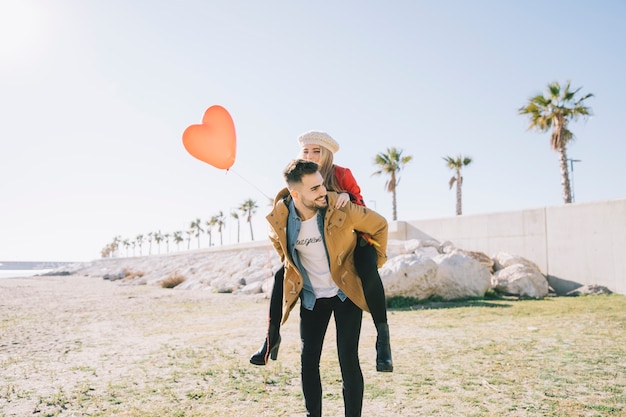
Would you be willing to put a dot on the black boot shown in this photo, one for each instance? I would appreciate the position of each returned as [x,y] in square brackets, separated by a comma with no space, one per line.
[383,349]
[271,344]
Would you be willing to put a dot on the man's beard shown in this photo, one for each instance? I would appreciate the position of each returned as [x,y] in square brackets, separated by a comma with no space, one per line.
[315,204]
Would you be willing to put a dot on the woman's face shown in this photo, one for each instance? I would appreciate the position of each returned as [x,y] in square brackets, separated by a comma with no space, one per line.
[311,153]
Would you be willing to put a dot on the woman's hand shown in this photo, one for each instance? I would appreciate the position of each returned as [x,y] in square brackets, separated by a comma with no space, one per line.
[342,200]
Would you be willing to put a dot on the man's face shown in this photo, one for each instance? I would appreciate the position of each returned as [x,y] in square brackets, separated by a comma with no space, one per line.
[312,193]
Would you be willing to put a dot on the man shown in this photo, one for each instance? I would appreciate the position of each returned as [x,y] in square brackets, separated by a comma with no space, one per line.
[316,244]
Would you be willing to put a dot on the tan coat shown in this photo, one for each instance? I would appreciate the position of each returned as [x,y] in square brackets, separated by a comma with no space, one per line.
[341,240]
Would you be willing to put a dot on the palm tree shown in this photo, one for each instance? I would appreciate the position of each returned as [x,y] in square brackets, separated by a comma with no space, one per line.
[158,238]
[109,251]
[178,238]
[196,229]
[126,244]
[248,208]
[392,162]
[139,240]
[189,235]
[219,221]
[115,246]
[150,237]
[456,164]
[209,229]
[553,112]
[106,251]
[166,238]
[235,216]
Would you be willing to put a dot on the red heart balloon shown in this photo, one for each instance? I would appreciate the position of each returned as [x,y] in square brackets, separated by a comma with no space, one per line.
[214,141]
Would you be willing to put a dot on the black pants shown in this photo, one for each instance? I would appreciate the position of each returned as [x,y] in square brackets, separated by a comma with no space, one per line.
[313,325]
[365,259]
[276,300]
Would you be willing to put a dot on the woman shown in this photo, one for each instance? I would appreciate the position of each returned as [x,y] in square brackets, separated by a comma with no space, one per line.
[320,147]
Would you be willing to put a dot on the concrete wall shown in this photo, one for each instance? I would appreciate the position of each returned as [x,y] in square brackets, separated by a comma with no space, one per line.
[573,244]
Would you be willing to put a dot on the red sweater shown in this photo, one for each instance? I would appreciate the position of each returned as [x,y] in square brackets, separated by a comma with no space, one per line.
[348,183]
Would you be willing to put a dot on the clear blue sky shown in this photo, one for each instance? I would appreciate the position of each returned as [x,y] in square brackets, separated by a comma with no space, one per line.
[95,95]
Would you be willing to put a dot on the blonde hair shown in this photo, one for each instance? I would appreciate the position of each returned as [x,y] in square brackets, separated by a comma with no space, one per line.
[327,169]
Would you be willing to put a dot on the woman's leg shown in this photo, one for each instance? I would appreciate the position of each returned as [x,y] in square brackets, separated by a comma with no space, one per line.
[365,260]
[276,299]
[272,337]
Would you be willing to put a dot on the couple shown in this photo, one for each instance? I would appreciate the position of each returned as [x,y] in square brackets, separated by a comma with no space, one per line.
[330,249]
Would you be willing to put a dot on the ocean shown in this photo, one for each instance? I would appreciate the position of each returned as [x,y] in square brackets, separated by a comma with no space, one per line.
[15,273]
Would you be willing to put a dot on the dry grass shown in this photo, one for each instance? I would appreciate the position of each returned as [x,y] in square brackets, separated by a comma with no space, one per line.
[173,281]
[130,275]
[85,347]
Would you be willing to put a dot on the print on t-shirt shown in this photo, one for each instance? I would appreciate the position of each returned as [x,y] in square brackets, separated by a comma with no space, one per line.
[310,247]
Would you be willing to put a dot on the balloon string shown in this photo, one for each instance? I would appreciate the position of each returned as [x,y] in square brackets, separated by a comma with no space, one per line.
[257,188]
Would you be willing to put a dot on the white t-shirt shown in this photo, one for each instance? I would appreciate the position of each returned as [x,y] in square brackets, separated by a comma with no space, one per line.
[310,247]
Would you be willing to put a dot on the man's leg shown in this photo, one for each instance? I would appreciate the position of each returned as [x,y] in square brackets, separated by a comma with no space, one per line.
[348,318]
[313,325]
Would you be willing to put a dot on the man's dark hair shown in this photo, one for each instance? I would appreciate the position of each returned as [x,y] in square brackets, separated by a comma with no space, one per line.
[296,169]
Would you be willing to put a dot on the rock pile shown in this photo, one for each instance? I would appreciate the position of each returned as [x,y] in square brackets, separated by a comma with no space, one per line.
[420,269]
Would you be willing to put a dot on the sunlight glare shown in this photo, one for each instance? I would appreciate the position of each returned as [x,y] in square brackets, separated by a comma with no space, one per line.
[19,27]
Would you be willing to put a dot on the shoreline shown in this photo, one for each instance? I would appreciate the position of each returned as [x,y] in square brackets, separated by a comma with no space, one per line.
[22,273]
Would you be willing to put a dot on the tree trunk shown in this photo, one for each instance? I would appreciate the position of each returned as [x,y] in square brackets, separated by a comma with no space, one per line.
[567,191]
[251,232]
[394,205]
[459,200]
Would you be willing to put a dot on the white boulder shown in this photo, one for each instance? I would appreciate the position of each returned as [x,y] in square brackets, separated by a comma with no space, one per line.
[460,276]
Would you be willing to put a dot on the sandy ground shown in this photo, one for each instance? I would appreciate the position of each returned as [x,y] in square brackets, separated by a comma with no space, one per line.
[57,333]
[63,337]
[84,346]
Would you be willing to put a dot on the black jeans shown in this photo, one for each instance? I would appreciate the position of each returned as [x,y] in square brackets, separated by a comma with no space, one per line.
[313,326]
[276,300]
[365,262]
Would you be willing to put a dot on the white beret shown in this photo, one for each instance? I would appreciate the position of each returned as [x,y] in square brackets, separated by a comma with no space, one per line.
[319,138]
